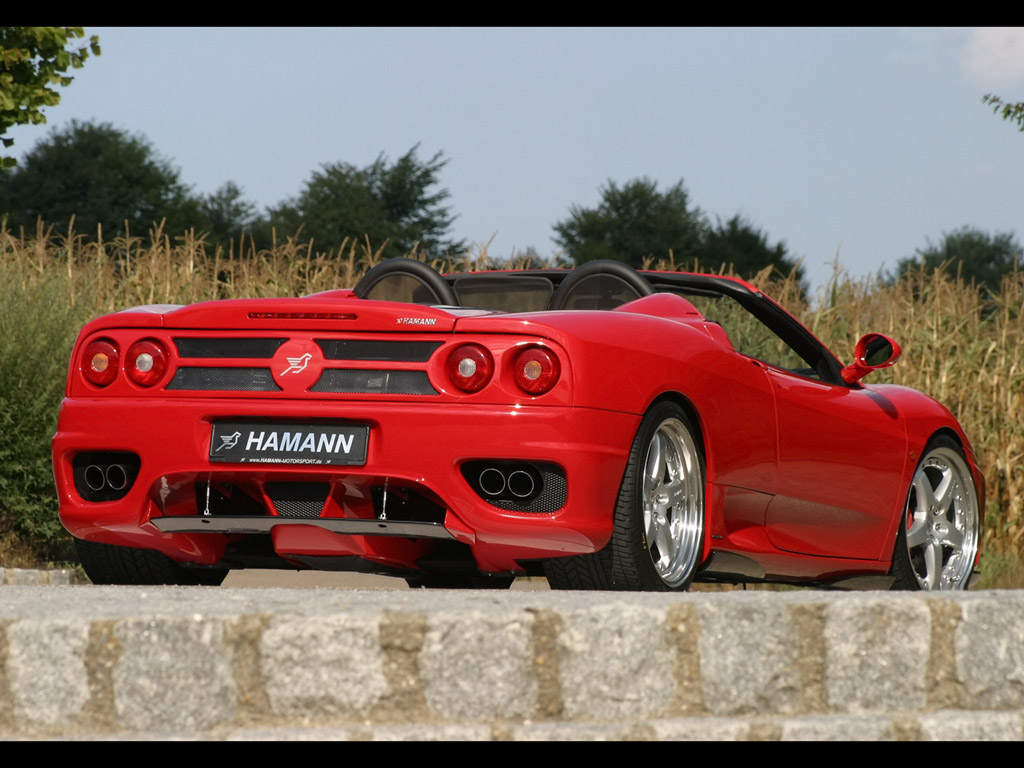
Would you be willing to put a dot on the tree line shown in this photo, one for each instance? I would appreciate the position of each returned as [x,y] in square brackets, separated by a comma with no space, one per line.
[105,182]
[102,182]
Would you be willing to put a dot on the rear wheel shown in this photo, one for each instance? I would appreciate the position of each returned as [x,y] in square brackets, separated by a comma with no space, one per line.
[111,564]
[938,535]
[658,538]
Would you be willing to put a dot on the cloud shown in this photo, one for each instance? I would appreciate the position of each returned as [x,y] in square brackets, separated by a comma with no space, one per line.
[993,57]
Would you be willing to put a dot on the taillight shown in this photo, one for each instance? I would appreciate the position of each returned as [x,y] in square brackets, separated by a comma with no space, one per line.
[146,362]
[536,370]
[470,367]
[100,362]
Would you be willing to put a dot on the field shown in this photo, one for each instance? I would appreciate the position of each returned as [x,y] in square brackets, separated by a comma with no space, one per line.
[960,346]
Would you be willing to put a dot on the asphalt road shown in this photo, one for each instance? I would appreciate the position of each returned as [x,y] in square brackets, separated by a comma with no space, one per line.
[339,580]
[342,580]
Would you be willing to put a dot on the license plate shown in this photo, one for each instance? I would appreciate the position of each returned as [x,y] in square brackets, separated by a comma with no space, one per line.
[276,443]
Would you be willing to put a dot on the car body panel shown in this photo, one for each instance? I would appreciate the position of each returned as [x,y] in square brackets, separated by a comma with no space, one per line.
[807,475]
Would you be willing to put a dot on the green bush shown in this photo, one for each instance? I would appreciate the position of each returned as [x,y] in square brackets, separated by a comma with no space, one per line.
[38,326]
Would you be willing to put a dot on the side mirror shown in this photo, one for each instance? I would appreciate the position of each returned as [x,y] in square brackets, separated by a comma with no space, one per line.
[874,351]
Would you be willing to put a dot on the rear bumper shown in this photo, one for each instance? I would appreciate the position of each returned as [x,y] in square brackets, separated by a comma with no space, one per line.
[412,448]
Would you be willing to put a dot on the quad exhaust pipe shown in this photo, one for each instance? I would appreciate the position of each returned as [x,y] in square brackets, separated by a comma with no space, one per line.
[518,482]
[517,485]
[504,481]
[104,476]
[112,477]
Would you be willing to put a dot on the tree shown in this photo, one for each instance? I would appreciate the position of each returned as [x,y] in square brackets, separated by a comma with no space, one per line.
[632,223]
[393,206]
[739,244]
[636,222]
[1012,112]
[976,256]
[225,215]
[101,176]
[34,60]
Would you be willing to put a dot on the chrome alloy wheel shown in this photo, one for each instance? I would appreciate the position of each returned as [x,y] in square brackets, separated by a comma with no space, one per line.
[673,502]
[942,521]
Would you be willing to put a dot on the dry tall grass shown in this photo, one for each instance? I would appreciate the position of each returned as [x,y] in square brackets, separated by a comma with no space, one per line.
[959,346]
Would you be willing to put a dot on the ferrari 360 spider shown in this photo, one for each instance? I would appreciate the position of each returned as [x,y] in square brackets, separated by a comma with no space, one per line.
[603,427]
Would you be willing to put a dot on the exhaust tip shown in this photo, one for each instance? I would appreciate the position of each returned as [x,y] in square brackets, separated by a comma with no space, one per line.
[117,477]
[492,481]
[521,484]
[95,478]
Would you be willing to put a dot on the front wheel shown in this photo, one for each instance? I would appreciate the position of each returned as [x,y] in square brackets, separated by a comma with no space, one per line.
[938,535]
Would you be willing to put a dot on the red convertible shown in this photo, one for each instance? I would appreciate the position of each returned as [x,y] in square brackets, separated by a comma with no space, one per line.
[603,427]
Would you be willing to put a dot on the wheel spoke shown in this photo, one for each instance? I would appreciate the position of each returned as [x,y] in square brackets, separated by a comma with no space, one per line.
[675,493]
[917,534]
[666,548]
[651,525]
[943,494]
[925,492]
[954,538]
[655,469]
[932,563]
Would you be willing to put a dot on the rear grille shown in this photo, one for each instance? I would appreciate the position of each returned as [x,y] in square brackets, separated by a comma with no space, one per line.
[333,349]
[228,349]
[374,382]
[298,499]
[246,375]
[385,351]
[227,379]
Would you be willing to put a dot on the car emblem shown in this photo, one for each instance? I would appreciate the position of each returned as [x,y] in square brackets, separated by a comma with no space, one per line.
[297,364]
[229,441]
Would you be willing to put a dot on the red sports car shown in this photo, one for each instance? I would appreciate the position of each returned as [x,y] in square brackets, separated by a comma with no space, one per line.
[607,428]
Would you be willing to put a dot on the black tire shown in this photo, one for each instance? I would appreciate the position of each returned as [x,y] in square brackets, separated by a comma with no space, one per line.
[110,564]
[658,535]
[584,572]
[938,536]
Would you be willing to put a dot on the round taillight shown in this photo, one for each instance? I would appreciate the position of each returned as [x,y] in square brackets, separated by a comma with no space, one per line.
[100,362]
[146,362]
[536,370]
[470,367]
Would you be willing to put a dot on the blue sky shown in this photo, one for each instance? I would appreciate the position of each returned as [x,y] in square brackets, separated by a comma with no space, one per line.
[862,144]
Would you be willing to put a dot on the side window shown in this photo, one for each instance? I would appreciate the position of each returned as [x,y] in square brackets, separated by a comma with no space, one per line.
[751,337]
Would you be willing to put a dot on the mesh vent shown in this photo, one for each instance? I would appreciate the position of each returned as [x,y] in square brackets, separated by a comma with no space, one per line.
[228,348]
[550,499]
[549,495]
[390,351]
[374,382]
[224,379]
[298,499]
